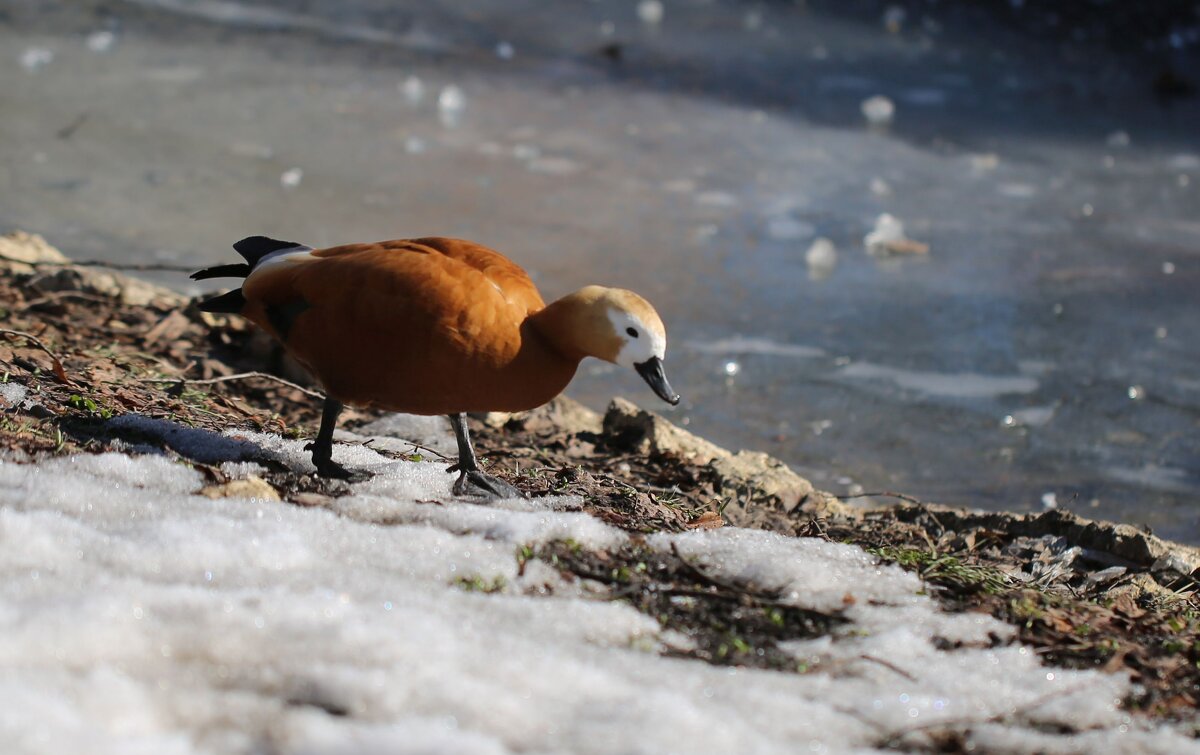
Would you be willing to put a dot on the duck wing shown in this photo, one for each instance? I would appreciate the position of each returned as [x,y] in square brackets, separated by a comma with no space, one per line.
[369,319]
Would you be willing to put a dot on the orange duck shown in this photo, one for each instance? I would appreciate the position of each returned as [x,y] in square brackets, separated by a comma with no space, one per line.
[433,326]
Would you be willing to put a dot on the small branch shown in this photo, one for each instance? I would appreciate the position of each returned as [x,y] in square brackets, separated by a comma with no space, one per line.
[239,376]
[56,363]
[748,590]
[888,665]
[415,446]
[884,494]
[59,295]
[67,131]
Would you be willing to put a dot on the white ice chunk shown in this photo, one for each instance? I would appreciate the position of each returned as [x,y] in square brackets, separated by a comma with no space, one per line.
[12,394]
[878,110]
[101,41]
[291,178]
[887,238]
[413,89]
[650,12]
[34,58]
[451,103]
[821,256]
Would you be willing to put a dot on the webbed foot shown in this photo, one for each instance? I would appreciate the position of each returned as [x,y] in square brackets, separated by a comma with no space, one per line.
[330,469]
[476,483]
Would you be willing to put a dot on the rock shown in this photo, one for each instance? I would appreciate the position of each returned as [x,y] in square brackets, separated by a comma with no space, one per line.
[628,426]
[18,249]
[748,479]
[250,487]
[24,253]
[312,499]
[561,414]
[766,476]
[1137,587]
[1125,542]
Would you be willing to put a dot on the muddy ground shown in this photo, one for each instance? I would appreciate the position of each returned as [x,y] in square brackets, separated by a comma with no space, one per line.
[87,344]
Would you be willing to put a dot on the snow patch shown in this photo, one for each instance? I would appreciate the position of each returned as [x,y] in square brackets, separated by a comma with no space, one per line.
[139,617]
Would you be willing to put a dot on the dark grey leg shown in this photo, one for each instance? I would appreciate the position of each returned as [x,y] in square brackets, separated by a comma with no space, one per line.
[322,447]
[471,479]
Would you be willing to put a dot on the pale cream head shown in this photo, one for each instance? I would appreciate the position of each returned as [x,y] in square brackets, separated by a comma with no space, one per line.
[612,324]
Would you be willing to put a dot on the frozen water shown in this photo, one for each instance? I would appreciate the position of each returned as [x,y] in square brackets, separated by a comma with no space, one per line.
[139,617]
[784,228]
[957,385]
[661,153]
[747,345]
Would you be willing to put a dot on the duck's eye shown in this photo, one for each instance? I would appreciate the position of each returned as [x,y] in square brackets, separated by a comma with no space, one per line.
[632,332]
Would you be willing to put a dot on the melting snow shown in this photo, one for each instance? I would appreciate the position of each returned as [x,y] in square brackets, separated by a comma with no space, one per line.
[137,616]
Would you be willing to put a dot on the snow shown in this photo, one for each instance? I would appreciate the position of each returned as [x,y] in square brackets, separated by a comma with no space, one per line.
[12,394]
[137,616]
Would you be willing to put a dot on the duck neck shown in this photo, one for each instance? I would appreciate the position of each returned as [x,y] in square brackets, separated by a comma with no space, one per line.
[556,327]
[576,327]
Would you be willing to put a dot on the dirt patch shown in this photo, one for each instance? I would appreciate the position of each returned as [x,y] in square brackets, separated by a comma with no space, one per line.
[80,349]
[727,623]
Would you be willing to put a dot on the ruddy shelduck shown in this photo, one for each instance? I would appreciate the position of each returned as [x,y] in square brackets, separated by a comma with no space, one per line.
[433,326]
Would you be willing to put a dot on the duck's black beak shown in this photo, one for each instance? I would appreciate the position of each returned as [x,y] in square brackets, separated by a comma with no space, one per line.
[652,372]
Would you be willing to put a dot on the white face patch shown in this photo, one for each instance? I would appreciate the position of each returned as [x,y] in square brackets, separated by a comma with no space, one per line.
[638,342]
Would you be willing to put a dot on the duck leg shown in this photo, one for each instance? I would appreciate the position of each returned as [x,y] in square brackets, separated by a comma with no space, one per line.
[471,479]
[322,447]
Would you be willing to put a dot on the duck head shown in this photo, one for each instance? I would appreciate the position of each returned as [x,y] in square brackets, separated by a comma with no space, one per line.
[612,324]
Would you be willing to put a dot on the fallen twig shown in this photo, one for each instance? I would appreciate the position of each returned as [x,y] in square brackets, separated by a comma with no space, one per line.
[55,362]
[888,665]
[884,494]
[750,591]
[59,295]
[238,376]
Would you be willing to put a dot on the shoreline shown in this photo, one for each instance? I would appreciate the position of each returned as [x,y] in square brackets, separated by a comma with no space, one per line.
[120,364]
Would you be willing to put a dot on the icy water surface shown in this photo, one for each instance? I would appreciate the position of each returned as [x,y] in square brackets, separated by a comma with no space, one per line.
[1043,352]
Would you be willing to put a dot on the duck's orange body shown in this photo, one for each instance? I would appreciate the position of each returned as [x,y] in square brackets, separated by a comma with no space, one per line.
[427,326]
[433,326]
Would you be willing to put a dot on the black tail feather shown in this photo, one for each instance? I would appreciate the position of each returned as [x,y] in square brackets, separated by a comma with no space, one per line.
[233,270]
[254,248]
[230,303]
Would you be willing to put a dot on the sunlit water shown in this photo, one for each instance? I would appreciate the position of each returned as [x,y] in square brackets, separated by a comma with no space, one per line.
[1046,344]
